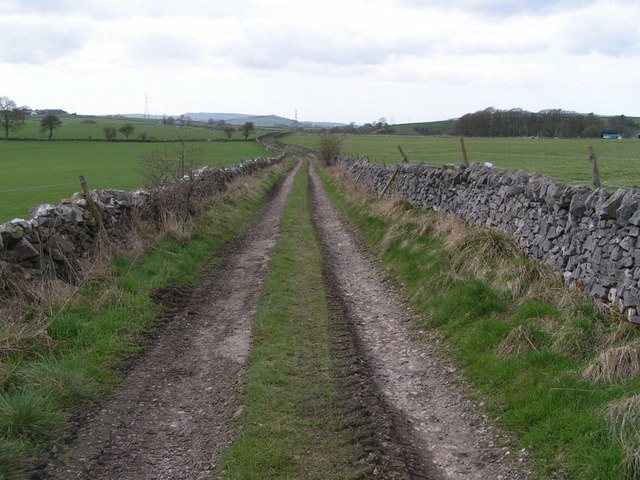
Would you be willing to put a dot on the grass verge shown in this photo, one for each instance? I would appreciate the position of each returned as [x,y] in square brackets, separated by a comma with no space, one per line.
[523,340]
[290,425]
[80,346]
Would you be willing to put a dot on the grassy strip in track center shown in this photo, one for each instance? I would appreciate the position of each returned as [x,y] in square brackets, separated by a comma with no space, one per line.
[291,424]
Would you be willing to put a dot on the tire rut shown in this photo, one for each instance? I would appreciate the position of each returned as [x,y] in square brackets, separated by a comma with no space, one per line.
[170,418]
[371,420]
[425,427]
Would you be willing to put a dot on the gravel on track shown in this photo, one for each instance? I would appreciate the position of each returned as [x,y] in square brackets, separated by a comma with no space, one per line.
[446,436]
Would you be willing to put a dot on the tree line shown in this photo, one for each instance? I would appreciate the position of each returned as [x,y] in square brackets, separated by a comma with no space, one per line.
[546,123]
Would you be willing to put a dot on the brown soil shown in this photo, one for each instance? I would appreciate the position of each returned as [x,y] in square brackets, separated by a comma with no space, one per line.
[406,407]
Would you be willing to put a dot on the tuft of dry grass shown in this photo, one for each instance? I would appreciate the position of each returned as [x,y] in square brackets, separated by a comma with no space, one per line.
[623,418]
[452,231]
[518,342]
[527,278]
[14,284]
[617,363]
[355,191]
[175,228]
[25,304]
[481,252]
[575,342]
[394,207]
[395,232]
[623,331]
[17,336]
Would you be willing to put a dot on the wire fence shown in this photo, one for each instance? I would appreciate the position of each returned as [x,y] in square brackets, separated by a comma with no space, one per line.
[454,156]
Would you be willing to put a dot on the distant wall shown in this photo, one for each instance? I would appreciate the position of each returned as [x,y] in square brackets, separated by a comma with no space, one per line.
[589,236]
[56,237]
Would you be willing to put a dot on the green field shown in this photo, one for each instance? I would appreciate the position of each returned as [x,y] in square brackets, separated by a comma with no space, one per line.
[564,160]
[35,172]
[76,127]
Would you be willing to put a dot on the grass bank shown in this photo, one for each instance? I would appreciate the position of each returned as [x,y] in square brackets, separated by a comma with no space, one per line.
[549,366]
[65,352]
[290,426]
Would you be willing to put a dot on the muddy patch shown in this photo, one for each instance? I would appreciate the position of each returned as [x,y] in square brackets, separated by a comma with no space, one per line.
[174,297]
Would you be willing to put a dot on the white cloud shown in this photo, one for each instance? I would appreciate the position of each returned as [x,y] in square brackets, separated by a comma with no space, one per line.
[348,58]
[500,8]
[37,39]
[105,10]
[606,28]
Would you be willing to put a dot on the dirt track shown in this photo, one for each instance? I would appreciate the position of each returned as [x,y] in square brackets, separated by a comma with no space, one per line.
[445,436]
[171,417]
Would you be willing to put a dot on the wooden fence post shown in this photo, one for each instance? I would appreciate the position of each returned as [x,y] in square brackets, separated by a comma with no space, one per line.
[393,177]
[404,157]
[464,152]
[594,168]
[92,206]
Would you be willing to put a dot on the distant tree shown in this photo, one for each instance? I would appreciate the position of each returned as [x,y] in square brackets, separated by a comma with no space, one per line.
[126,130]
[228,129]
[329,146]
[592,131]
[110,133]
[11,116]
[49,123]
[520,123]
[246,129]
[143,136]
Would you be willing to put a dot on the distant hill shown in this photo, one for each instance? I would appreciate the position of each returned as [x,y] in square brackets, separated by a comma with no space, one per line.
[240,118]
[227,117]
[263,121]
[196,116]
[258,120]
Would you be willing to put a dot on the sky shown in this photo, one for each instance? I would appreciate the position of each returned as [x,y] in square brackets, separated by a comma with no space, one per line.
[330,60]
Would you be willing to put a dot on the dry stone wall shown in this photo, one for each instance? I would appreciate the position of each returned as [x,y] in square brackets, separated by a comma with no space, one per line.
[590,237]
[56,237]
